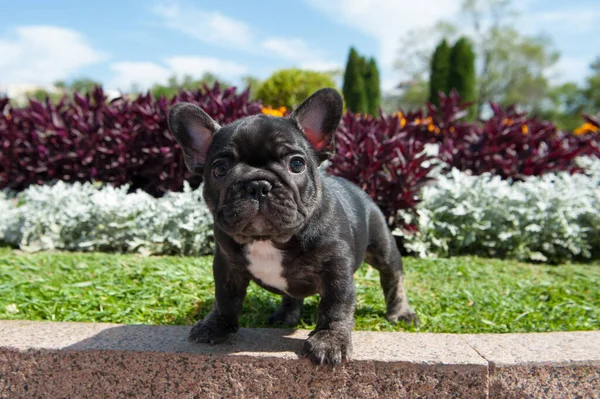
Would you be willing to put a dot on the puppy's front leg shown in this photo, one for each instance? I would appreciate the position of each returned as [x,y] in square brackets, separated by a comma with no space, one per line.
[331,341]
[230,291]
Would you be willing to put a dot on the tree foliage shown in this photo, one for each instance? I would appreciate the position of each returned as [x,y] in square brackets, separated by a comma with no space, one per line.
[372,87]
[354,89]
[592,88]
[461,75]
[440,70]
[174,85]
[361,87]
[61,88]
[81,86]
[511,67]
[253,83]
[289,87]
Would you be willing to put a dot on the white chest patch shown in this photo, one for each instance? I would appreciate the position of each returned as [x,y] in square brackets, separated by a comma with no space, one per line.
[265,264]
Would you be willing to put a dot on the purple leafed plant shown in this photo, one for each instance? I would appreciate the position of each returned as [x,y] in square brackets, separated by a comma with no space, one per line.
[508,144]
[118,142]
[384,156]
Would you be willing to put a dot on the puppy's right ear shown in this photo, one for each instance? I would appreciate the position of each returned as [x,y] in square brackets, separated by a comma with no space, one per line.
[318,117]
[193,129]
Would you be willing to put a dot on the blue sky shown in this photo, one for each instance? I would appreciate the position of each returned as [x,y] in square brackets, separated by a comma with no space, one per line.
[144,42]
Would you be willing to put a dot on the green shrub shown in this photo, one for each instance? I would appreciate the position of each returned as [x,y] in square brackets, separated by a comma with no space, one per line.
[462,72]
[289,87]
[372,87]
[355,94]
[440,69]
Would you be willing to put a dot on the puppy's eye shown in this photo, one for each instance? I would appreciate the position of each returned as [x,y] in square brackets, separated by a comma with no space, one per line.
[297,165]
[220,169]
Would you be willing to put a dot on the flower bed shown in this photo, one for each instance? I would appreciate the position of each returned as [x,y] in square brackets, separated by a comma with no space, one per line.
[126,142]
[552,218]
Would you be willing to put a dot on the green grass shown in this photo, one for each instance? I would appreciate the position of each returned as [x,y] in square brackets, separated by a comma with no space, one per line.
[462,295]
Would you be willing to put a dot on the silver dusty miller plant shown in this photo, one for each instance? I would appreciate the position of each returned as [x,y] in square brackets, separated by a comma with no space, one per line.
[88,217]
[552,218]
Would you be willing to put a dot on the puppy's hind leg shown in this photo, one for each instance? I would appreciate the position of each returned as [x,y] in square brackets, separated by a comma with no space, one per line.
[289,312]
[383,255]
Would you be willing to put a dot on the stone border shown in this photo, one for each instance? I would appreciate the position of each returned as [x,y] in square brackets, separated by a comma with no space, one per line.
[47,359]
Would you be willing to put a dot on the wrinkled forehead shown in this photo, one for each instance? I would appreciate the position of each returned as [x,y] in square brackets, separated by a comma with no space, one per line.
[260,139]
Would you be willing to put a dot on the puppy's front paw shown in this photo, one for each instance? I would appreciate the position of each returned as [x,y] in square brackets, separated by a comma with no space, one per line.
[211,330]
[328,347]
[406,315]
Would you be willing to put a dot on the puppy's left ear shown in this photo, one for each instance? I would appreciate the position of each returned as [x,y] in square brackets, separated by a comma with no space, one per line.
[319,117]
[194,130]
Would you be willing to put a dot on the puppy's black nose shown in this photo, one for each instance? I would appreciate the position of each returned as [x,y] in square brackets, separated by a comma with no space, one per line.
[258,189]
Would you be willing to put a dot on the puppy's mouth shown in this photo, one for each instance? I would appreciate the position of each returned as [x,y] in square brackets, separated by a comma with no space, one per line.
[249,221]
[258,226]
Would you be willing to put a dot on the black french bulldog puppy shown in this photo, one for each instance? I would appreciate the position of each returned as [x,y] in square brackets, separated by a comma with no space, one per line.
[283,223]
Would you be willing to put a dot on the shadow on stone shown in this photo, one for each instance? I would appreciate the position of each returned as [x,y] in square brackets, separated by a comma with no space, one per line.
[274,342]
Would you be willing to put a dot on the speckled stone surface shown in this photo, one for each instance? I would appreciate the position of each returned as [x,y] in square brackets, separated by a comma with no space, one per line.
[541,365]
[111,374]
[44,359]
[579,347]
[545,381]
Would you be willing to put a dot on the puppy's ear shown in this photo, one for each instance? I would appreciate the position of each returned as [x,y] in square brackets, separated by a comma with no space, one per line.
[319,116]
[193,129]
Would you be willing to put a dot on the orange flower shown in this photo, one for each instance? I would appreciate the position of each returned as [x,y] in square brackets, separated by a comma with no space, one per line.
[401,118]
[274,112]
[417,120]
[524,129]
[585,128]
[508,121]
[431,127]
[452,129]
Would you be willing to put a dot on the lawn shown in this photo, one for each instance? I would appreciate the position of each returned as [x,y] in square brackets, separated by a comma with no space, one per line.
[460,295]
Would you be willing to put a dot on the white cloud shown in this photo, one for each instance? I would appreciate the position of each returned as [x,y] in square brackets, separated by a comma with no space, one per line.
[389,84]
[321,66]
[572,29]
[145,74]
[568,21]
[41,55]
[208,26]
[387,20]
[292,49]
[215,28]
[571,69]
[299,52]
[140,74]
[197,66]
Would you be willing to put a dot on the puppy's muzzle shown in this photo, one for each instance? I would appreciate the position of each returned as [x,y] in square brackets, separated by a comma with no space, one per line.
[258,190]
